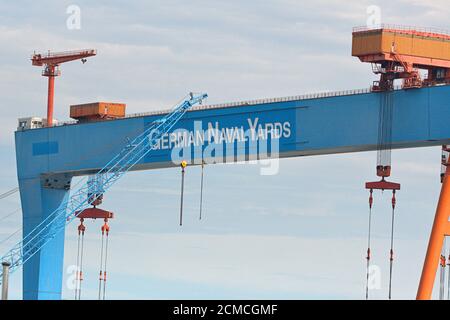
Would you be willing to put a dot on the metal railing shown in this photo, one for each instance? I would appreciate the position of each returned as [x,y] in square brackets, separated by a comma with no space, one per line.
[430,31]
[50,54]
[317,95]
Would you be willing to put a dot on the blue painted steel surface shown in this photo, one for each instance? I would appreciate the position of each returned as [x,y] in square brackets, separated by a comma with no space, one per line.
[43,148]
[42,274]
[307,127]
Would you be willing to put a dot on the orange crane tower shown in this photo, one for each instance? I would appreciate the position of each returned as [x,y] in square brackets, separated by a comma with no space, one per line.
[51,62]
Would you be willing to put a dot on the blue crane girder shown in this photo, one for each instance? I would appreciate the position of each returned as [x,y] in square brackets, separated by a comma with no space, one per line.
[48,158]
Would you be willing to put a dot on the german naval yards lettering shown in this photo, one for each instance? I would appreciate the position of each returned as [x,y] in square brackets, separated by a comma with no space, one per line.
[218,135]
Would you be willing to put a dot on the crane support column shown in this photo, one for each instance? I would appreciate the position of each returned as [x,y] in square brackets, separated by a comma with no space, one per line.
[43,273]
[441,228]
[51,62]
[50,98]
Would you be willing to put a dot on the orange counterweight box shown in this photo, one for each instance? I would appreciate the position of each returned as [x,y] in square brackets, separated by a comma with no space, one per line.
[97,111]
[398,52]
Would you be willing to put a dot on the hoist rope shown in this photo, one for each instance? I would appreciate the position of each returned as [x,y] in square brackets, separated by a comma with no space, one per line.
[8,193]
[104,269]
[81,266]
[10,214]
[182,195]
[80,252]
[368,244]
[385,129]
[11,235]
[77,277]
[101,273]
[201,191]
[391,252]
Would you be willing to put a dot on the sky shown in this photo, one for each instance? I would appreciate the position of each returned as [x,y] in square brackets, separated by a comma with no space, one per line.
[300,234]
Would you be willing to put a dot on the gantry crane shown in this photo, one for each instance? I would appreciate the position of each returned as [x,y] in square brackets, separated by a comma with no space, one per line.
[399,52]
[90,192]
[51,62]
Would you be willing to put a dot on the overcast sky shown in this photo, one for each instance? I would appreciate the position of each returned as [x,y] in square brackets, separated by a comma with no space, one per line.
[299,234]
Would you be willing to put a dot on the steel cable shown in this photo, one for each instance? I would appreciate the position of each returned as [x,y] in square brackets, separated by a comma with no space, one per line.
[10,236]
[8,193]
[10,214]
[391,253]
[368,244]
[104,269]
[201,191]
[81,265]
[101,274]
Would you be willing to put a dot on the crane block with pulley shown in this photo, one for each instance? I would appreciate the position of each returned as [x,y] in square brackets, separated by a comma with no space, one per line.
[95,198]
[51,62]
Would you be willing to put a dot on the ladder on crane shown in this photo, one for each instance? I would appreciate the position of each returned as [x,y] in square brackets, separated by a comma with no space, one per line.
[88,193]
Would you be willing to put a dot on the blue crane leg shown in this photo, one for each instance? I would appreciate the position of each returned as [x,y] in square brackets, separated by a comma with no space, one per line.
[43,273]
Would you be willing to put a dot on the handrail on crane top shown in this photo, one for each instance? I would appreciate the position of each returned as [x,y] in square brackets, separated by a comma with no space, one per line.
[429,32]
[63,53]
[316,95]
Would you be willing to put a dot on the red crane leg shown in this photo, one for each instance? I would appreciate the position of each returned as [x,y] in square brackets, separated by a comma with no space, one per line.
[51,90]
[441,228]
